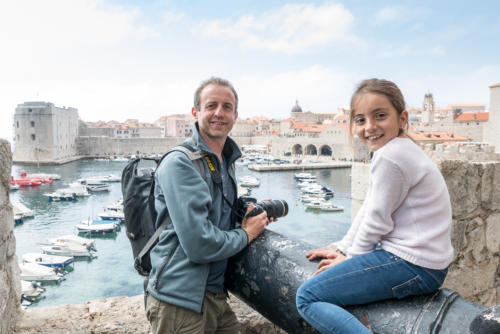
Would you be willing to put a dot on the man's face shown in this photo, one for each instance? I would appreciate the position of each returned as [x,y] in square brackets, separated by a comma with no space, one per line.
[216,115]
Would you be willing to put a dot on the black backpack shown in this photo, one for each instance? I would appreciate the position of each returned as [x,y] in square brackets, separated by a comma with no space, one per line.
[138,205]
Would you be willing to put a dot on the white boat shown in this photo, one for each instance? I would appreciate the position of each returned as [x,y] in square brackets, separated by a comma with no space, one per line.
[37,272]
[20,208]
[80,190]
[308,198]
[73,239]
[249,181]
[61,195]
[242,191]
[116,206]
[48,260]
[31,290]
[96,226]
[14,186]
[316,204]
[119,159]
[68,249]
[304,176]
[97,186]
[112,215]
[329,206]
[45,176]
[105,178]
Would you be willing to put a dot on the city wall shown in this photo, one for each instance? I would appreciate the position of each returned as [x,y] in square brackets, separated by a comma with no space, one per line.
[474,188]
[10,286]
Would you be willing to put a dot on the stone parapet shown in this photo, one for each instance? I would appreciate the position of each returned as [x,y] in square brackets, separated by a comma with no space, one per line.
[467,152]
[10,285]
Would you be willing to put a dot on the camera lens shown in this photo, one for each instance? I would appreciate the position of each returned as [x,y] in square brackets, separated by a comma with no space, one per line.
[276,208]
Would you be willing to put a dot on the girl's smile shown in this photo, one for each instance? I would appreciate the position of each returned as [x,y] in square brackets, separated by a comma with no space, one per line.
[376,121]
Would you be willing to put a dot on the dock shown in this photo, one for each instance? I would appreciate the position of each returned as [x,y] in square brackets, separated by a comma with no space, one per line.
[302,166]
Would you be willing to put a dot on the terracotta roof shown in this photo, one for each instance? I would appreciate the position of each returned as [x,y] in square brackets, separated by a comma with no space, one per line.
[434,136]
[300,125]
[473,116]
[259,118]
[465,105]
[290,119]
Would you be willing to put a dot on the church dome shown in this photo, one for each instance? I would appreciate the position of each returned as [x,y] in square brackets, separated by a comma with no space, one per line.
[296,107]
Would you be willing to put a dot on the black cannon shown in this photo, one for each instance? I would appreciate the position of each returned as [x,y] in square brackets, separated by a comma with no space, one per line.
[267,274]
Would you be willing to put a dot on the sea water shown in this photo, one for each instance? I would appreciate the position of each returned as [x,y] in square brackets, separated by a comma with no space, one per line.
[112,273]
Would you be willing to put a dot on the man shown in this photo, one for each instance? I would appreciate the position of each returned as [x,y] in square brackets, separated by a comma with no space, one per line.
[186,291]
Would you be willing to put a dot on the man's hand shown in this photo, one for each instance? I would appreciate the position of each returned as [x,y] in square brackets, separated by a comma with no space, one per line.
[255,225]
[330,262]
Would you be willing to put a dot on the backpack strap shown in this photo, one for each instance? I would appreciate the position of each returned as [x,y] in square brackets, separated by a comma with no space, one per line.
[196,157]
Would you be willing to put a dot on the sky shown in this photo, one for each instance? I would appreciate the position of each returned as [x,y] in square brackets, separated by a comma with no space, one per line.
[114,60]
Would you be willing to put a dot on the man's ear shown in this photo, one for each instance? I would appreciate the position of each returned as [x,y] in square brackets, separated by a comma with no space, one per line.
[194,112]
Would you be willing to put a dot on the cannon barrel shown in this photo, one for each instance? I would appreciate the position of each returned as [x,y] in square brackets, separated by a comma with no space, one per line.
[267,274]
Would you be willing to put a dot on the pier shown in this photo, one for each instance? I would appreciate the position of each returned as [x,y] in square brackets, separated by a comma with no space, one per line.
[302,166]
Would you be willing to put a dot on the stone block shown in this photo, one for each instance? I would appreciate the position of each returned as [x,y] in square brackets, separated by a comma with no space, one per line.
[476,244]
[458,239]
[490,191]
[5,170]
[464,184]
[471,282]
[6,223]
[493,233]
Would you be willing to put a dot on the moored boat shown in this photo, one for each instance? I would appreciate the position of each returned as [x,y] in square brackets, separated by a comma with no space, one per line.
[329,206]
[18,219]
[67,250]
[96,226]
[37,272]
[60,196]
[112,215]
[48,260]
[73,239]
[249,181]
[20,208]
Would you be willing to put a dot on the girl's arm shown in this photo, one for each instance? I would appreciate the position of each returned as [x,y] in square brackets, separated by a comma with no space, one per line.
[348,239]
[387,191]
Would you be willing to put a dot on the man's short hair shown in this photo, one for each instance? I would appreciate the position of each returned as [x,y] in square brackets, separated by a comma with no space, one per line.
[214,81]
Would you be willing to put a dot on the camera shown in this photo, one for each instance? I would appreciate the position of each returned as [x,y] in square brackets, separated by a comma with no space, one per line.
[275,208]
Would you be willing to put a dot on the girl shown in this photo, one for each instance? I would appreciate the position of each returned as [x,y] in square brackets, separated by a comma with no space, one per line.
[399,243]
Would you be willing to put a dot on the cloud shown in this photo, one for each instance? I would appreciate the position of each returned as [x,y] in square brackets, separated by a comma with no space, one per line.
[172,17]
[388,14]
[63,24]
[290,29]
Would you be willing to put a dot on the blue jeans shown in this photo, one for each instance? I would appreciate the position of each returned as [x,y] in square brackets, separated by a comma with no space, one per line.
[360,280]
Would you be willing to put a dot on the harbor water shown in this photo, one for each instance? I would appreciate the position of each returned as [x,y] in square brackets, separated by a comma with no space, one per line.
[111,273]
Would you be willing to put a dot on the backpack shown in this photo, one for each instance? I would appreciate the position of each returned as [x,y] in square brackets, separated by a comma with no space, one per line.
[138,205]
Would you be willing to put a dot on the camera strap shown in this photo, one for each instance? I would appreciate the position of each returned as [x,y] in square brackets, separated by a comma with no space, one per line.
[217,179]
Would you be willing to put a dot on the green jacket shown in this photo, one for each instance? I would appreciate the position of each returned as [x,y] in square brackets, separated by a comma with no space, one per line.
[181,259]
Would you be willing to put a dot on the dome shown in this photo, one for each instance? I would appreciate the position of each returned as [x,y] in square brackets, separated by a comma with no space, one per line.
[296,107]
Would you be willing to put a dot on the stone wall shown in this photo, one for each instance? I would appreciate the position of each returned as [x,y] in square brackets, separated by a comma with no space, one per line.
[474,189]
[10,286]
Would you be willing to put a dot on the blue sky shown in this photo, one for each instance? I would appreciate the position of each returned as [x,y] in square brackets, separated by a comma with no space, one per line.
[143,59]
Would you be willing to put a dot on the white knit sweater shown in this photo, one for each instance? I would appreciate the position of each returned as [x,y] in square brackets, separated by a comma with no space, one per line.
[407,208]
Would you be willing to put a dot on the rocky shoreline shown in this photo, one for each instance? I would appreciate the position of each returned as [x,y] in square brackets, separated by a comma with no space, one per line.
[118,315]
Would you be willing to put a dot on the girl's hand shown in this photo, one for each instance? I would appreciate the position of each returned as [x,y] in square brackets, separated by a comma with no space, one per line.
[324,252]
[328,263]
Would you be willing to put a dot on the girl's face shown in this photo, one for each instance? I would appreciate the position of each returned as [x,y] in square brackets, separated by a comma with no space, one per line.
[375,120]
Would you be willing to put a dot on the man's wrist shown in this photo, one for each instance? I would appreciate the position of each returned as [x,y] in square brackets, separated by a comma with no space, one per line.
[340,252]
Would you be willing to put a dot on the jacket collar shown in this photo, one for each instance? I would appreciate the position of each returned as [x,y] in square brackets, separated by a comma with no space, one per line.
[231,152]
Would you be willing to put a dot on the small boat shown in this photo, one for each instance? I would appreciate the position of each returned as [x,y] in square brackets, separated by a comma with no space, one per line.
[119,159]
[20,208]
[80,190]
[73,239]
[14,186]
[329,206]
[316,204]
[105,178]
[116,206]
[60,196]
[48,260]
[25,182]
[112,215]
[68,249]
[304,176]
[45,176]
[243,191]
[249,181]
[37,272]
[307,198]
[31,291]
[97,186]
[96,226]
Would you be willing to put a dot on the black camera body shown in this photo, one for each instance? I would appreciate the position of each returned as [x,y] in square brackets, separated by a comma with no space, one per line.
[274,208]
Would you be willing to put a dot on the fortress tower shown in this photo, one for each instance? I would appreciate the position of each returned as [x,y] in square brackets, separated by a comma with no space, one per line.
[428,109]
[44,132]
[492,133]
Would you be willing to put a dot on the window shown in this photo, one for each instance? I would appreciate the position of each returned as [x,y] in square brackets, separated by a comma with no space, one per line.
[32,124]
[30,110]
[33,137]
[17,123]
